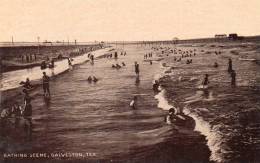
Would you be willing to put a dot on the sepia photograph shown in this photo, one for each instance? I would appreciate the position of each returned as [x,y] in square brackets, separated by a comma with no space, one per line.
[130,81]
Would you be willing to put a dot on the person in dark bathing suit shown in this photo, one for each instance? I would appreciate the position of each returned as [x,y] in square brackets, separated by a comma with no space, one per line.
[206,80]
[156,86]
[69,62]
[26,84]
[215,64]
[133,103]
[45,85]
[229,65]
[137,68]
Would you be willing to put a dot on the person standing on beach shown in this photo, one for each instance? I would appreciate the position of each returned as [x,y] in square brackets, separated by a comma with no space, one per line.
[45,85]
[230,65]
[137,68]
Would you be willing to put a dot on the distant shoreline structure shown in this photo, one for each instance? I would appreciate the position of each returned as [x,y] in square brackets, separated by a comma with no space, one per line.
[24,43]
[231,38]
[217,38]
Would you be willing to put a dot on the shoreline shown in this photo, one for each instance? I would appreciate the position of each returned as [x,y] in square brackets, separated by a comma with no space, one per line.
[8,66]
[20,57]
[7,95]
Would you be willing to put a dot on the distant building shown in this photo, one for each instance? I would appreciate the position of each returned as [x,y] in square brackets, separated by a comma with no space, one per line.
[175,40]
[234,36]
[220,36]
[47,42]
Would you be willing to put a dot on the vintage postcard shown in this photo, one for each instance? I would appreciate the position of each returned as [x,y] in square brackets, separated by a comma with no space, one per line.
[130,81]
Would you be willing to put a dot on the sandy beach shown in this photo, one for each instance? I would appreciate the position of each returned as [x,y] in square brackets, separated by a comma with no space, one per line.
[15,57]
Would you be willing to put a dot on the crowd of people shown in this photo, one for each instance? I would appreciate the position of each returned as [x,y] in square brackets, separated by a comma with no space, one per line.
[172,113]
[25,110]
[28,57]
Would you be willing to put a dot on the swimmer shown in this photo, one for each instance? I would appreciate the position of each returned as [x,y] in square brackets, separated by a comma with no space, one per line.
[156,86]
[43,65]
[137,68]
[206,80]
[52,64]
[215,64]
[172,111]
[94,79]
[26,84]
[230,65]
[69,62]
[89,79]
[92,58]
[118,66]
[133,103]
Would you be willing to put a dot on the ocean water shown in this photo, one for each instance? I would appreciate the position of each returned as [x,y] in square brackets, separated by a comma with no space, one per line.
[12,79]
[227,116]
[96,117]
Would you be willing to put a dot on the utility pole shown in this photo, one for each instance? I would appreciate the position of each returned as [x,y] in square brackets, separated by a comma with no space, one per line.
[38,39]
[12,40]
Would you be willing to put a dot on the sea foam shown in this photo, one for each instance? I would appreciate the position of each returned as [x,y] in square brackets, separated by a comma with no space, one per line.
[214,139]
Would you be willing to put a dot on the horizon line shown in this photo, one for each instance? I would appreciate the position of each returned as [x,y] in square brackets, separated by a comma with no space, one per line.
[58,41]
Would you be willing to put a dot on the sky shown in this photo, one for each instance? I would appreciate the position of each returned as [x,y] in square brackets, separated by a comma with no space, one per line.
[126,20]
